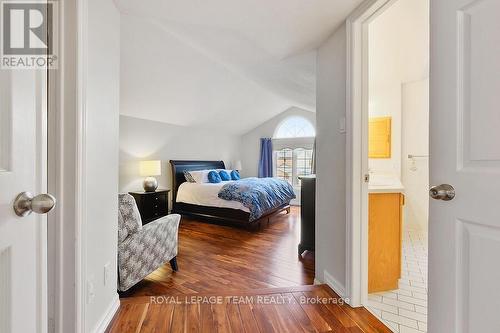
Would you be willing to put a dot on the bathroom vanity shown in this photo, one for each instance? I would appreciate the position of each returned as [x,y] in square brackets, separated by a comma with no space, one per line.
[385,226]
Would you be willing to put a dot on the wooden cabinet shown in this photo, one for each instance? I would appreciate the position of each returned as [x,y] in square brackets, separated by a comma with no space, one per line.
[379,137]
[385,227]
[307,213]
[152,205]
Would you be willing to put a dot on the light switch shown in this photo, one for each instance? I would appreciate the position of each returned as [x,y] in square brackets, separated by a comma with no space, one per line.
[342,125]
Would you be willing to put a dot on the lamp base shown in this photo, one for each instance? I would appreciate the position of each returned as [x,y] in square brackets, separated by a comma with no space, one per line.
[150,184]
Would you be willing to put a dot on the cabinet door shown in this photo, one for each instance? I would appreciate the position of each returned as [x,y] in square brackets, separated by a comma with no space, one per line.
[384,241]
[379,137]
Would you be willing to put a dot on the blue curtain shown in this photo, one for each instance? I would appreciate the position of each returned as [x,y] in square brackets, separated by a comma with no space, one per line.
[266,158]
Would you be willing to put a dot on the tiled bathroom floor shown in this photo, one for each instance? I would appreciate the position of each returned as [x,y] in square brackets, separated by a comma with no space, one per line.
[405,310]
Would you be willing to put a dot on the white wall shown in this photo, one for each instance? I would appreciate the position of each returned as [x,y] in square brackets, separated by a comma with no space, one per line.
[151,140]
[330,169]
[415,172]
[101,157]
[250,142]
[396,55]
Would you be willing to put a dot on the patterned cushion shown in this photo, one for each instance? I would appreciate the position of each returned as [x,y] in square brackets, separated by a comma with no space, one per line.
[235,175]
[224,175]
[213,177]
[130,220]
[189,177]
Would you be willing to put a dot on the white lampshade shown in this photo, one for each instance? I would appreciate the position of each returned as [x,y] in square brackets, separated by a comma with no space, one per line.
[150,168]
[237,165]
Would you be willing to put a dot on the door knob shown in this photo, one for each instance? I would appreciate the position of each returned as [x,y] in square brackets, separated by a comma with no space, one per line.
[444,192]
[26,203]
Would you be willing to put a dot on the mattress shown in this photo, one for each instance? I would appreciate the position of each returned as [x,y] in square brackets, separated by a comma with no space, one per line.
[206,194]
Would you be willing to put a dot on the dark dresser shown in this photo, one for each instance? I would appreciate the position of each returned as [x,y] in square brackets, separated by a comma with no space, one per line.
[152,205]
[307,213]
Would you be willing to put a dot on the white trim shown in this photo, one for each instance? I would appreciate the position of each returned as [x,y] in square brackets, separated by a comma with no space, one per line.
[66,173]
[41,187]
[336,286]
[54,246]
[81,172]
[107,317]
[357,150]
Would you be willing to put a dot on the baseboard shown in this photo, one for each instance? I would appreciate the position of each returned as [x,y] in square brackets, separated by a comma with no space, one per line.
[102,325]
[334,284]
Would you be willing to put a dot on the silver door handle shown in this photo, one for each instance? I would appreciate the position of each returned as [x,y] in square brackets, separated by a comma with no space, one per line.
[26,204]
[444,192]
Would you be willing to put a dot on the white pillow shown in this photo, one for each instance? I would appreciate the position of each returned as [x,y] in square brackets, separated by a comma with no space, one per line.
[227,170]
[200,176]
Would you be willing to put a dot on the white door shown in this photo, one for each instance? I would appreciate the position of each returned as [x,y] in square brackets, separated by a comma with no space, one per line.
[22,168]
[464,233]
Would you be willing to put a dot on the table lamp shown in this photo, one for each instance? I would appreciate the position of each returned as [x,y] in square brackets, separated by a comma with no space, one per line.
[149,169]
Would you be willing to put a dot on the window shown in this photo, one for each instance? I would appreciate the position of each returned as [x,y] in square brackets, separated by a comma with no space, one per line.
[292,163]
[303,161]
[293,149]
[284,164]
[295,127]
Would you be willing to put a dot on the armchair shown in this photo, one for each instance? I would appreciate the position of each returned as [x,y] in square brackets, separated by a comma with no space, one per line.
[143,249]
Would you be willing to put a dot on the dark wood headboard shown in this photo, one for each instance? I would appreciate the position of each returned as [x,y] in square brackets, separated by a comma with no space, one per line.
[178,168]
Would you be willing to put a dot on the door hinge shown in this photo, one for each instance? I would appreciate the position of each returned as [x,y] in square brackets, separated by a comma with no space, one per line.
[367,178]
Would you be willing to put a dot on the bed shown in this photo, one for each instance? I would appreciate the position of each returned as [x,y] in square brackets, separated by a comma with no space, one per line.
[201,201]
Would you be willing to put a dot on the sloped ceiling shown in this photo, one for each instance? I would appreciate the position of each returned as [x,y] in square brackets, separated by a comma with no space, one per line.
[229,64]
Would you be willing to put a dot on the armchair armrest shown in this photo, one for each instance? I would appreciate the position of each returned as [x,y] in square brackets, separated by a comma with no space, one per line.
[159,236]
[167,224]
[146,250]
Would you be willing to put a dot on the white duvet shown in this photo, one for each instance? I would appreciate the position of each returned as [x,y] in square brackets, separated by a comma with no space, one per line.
[206,194]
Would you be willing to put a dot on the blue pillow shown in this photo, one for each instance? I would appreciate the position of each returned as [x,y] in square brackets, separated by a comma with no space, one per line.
[235,175]
[213,177]
[224,175]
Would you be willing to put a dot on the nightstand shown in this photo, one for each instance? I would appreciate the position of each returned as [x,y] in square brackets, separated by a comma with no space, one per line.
[152,205]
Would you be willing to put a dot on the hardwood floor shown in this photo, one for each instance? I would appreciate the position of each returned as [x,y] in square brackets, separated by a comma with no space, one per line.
[235,280]
[274,310]
[214,257]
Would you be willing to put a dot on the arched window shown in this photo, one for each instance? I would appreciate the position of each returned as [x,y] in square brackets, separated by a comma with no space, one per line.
[293,142]
[295,127]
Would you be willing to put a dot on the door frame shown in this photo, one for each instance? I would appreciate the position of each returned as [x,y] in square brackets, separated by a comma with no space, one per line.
[66,171]
[41,187]
[357,148]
